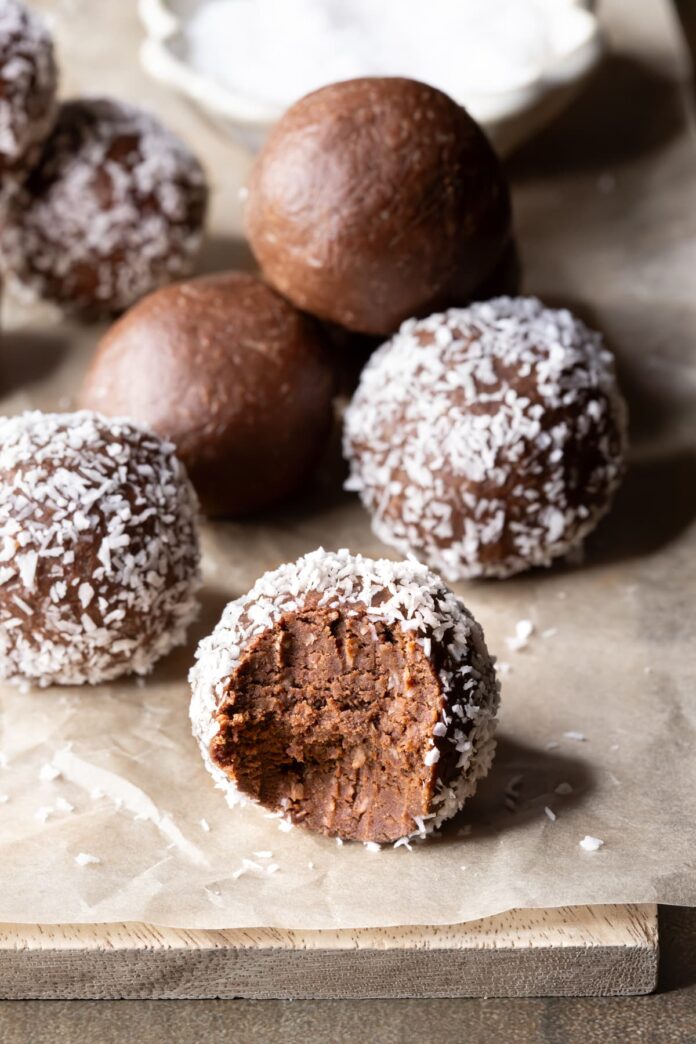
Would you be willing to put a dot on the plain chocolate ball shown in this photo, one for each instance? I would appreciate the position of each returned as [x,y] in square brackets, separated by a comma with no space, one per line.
[233,374]
[374,200]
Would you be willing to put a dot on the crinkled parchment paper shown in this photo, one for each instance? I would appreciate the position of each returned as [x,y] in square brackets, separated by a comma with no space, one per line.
[599,710]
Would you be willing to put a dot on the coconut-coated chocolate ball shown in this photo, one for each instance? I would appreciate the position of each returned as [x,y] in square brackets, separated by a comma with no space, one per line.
[374,200]
[488,439]
[351,696]
[113,209]
[233,374]
[98,549]
[28,80]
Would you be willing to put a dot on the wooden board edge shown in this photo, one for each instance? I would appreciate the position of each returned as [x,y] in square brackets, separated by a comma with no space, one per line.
[318,974]
[625,963]
[615,925]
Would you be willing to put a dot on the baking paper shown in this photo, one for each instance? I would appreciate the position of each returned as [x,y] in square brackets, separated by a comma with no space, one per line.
[106,811]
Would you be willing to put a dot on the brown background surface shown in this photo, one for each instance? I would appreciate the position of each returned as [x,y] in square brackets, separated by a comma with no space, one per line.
[628,110]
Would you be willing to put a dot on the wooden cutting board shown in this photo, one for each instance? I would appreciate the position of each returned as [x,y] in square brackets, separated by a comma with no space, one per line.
[570,951]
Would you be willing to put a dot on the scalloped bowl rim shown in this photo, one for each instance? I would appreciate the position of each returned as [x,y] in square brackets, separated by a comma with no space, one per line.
[164,31]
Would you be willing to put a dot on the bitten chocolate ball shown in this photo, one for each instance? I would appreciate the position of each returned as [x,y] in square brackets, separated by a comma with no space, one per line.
[374,200]
[354,697]
[98,549]
[28,80]
[233,374]
[488,439]
[114,209]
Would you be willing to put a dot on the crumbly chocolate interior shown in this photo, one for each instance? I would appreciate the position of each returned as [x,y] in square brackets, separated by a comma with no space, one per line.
[328,718]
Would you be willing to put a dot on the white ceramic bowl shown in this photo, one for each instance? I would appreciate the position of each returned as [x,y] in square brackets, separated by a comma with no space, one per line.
[509,117]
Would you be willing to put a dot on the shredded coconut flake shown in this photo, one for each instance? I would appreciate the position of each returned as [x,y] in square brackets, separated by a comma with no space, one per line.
[591,844]
[49,772]
[523,631]
[85,859]
[432,756]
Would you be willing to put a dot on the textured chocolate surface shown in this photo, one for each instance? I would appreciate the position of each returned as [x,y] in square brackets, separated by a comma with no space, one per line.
[233,374]
[374,200]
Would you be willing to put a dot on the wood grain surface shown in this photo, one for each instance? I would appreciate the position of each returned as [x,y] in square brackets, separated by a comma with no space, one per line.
[572,951]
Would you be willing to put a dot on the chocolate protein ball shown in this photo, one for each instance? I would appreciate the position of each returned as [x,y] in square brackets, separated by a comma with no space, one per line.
[374,200]
[488,439]
[113,209]
[352,696]
[233,374]
[28,81]
[98,549]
